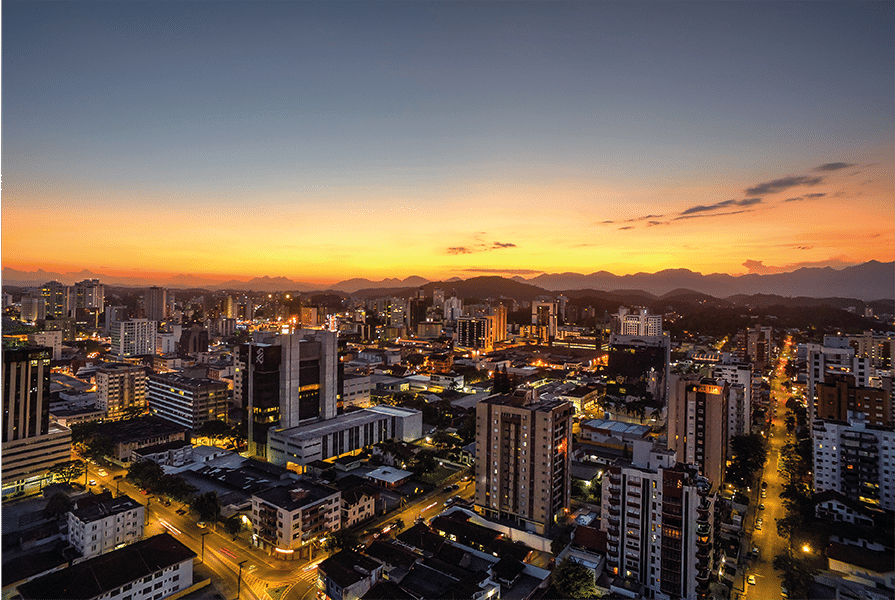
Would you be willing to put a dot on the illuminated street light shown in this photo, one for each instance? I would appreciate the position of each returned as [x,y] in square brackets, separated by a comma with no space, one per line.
[806,548]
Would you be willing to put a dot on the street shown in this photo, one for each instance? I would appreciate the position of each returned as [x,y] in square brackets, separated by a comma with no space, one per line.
[263,576]
[767,580]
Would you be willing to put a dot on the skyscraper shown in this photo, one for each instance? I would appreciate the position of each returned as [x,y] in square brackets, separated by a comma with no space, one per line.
[698,424]
[543,314]
[523,448]
[31,444]
[155,303]
[475,333]
[56,299]
[135,337]
[120,387]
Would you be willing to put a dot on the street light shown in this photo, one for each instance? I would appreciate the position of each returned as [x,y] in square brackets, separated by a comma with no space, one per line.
[203,545]
[806,548]
[239,580]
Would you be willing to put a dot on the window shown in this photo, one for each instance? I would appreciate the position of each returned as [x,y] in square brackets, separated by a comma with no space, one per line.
[157,585]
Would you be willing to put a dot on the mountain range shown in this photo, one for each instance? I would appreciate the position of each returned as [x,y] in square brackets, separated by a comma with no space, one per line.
[872,280]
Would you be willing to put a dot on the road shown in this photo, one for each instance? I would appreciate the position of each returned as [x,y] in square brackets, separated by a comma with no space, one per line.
[767,580]
[263,576]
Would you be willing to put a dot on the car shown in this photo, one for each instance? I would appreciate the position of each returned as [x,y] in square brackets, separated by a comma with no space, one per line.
[755,550]
[453,488]
[144,492]
[180,511]
[760,521]
[93,482]
[166,502]
[761,507]
[102,473]
[764,493]
[201,524]
[783,591]
[751,579]
[758,527]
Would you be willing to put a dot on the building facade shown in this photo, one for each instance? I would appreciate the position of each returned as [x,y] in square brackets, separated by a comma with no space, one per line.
[523,459]
[698,417]
[121,389]
[475,333]
[135,337]
[97,525]
[31,444]
[155,304]
[286,520]
[187,401]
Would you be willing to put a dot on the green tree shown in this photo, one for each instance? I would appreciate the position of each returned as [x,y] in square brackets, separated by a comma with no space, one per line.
[341,539]
[214,429]
[798,574]
[207,505]
[98,446]
[424,462]
[57,505]
[145,474]
[749,455]
[561,539]
[68,470]
[232,526]
[574,580]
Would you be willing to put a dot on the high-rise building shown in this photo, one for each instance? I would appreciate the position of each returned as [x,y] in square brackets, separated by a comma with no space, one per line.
[120,389]
[155,304]
[437,297]
[113,313]
[500,322]
[639,322]
[659,524]
[453,309]
[838,396]
[523,464]
[89,293]
[34,308]
[543,314]
[192,341]
[754,345]
[50,339]
[855,459]
[698,417]
[475,333]
[56,298]
[31,444]
[187,401]
[135,337]
[834,357]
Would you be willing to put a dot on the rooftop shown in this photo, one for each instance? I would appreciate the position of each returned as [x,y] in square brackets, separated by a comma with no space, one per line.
[107,572]
[292,498]
[100,507]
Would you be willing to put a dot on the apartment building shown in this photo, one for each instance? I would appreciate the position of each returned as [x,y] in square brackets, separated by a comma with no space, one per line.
[523,466]
[187,401]
[698,420]
[135,337]
[100,524]
[288,519]
[120,387]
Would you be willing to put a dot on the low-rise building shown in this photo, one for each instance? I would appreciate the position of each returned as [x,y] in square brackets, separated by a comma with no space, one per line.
[287,519]
[348,575]
[100,524]
[152,569]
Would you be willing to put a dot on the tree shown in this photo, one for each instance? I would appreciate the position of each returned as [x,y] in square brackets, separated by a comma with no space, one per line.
[98,446]
[68,470]
[232,526]
[749,455]
[214,429]
[208,505]
[424,462]
[57,505]
[341,539]
[574,579]
[399,524]
[145,474]
[561,539]
[798,574]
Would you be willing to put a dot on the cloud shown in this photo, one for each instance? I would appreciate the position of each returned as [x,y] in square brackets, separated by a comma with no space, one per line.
[480,246]
[782,184]
[626,227]
[758,267]
[654,223]
[818,195]
[796,199]
[510,271]
[804,247]
[833,166]
[735,212]
[719,205]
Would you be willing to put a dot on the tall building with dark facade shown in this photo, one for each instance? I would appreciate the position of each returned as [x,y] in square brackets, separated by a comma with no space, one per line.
[31,444]
[155,303]
[523,459]
[698,424]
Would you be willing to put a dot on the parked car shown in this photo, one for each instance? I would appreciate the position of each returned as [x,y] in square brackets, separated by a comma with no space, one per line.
[761,507]
[201,524]
[751,579]
[93,482]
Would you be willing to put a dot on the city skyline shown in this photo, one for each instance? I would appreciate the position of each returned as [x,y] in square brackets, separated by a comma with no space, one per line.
[320,141]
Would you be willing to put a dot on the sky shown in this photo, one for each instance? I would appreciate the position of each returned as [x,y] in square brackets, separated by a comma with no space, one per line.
[325,140]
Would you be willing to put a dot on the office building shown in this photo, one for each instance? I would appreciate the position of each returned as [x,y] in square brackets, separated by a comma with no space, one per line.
[135,337]
[475,333]
[698,417]
[34,308]
[297,447]
[152,569]
[878,347]
[855,459]
[187,401]
[290,519]
[88,297]
[544,315]
[155,304]
[500,322]
[658,516]
[639,322]
[355,390]
[31,444]
[100,524]
[523,459]
[192,341]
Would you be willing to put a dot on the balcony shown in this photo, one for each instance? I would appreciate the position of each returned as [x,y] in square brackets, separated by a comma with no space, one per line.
[615,511]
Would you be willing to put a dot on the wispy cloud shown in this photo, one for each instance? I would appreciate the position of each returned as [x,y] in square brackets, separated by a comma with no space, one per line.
[782,184]
[833,166]
[719,205]
[806,196]
[703,216]
[480,246]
